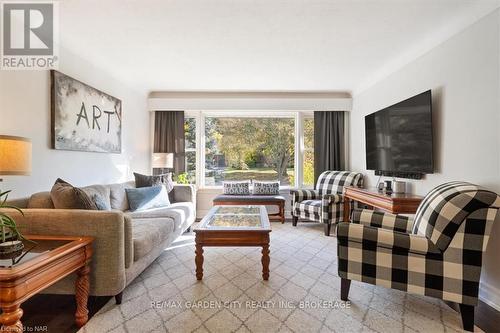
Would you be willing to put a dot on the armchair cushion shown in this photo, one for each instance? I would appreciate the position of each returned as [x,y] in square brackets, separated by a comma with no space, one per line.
[309,209]
[382,220]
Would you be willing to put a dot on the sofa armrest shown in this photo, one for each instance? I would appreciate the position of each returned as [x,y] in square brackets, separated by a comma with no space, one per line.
[383,220]
[183,193]
[108,228]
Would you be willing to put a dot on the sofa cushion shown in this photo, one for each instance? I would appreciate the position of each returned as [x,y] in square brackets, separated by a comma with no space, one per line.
[66,196]
[149,233]
[236,187]
[312,207]
[147,197]
[182,213]
[118,197]
[100,193]
[100,202]
[155,180]
[41,200]
[266,188]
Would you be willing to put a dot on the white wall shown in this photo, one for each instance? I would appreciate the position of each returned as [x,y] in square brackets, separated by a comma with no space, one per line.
[463,74]
[25,111]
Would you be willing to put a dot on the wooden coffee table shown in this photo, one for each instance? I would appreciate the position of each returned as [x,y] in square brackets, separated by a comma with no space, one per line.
[234,226]
[51,259]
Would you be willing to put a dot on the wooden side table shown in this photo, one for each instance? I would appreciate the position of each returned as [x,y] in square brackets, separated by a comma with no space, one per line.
[395,203]
[51,259]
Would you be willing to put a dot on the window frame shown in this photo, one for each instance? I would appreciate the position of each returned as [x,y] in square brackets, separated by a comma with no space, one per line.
[300,149]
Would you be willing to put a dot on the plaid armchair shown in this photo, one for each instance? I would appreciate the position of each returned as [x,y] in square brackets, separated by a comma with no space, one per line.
[437,254]
[325,203]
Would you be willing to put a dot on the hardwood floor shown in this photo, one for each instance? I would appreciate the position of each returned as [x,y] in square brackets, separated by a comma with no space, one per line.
[57,313]
[487,318]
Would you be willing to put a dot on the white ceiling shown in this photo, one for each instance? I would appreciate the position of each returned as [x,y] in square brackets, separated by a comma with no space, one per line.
[259,45]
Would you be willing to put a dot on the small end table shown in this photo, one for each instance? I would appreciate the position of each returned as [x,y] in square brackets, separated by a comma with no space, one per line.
[40,265]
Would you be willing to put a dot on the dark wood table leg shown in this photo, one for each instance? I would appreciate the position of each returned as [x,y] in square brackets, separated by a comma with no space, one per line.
[347,209]
[199,261]
[282,212]
[10,319]
[265,261]
[82,287]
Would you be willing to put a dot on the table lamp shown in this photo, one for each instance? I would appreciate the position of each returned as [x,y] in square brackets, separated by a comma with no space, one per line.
[15,160]
[163,160]
[15,156]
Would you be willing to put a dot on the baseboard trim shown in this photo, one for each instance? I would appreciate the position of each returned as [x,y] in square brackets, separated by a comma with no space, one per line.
[489,295]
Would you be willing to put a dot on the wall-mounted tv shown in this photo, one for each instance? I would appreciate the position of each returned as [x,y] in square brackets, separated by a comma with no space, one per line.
[399,137]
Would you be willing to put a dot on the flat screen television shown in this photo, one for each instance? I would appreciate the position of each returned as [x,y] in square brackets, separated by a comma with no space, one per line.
[399,137]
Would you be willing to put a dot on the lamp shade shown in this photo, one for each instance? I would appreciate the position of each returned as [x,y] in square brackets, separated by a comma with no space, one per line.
[163,160]
[15,155]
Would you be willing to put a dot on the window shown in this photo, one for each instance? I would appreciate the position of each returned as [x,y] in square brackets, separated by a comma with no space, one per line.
[308,159]
[255,145]
[249,148]
[189,176]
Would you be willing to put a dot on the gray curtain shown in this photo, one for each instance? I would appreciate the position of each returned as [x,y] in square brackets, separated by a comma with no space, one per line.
[169,137]
[329,142]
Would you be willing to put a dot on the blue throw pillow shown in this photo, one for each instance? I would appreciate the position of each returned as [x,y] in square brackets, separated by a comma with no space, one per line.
[147,197]
[100,203]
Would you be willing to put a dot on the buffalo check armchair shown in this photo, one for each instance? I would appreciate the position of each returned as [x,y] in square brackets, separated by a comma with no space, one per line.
[438,253]
[325,203]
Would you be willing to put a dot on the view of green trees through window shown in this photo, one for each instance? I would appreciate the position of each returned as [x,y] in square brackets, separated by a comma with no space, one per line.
[190,147]
[308,166]
[242,148]
[249,148]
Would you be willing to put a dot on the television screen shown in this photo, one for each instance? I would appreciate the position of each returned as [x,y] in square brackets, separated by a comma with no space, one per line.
[399,137]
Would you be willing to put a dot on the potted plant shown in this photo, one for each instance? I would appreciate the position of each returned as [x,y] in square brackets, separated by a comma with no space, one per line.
[11,240]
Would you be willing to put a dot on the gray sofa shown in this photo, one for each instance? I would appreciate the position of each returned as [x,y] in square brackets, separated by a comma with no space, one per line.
[125,242]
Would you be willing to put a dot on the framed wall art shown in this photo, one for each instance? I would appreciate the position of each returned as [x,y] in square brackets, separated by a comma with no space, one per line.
[84,118]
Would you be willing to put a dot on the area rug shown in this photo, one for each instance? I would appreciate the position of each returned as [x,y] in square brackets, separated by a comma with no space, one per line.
[302,294]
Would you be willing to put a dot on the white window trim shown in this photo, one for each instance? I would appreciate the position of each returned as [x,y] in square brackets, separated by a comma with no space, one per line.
[300,149]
